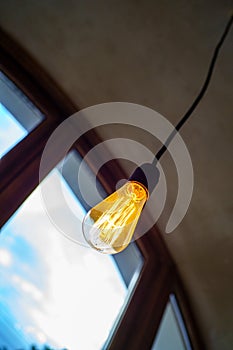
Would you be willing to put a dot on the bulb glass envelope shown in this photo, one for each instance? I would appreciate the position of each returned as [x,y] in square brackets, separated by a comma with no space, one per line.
[109,226]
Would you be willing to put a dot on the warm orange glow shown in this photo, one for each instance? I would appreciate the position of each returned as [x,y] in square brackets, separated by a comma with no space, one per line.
[110,225]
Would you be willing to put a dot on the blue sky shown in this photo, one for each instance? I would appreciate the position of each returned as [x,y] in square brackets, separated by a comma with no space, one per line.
[11,131]
[53,291]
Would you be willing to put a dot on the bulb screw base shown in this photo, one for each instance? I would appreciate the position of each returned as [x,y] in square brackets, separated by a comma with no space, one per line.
[147,174]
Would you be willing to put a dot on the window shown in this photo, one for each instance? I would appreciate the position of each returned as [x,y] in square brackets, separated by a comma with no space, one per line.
[56,292]
[172,334]
[52,291]
[11,131]
[18,116]
[150,276]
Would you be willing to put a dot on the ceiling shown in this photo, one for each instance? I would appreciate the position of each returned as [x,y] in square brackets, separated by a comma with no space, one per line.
[156,54]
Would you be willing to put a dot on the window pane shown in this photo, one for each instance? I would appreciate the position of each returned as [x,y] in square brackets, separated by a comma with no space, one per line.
[18,115]
[11,131]
[172,334]
[53,291]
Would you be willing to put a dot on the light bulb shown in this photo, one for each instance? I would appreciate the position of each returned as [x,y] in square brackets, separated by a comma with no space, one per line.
[109,226]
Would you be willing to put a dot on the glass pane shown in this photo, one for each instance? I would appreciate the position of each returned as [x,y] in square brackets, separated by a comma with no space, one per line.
[18,115]
[11,131]
[130,260]
[53,291]
[172,334]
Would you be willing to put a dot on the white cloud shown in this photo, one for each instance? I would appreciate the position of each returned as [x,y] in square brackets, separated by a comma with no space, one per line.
[27,287]
[5,257]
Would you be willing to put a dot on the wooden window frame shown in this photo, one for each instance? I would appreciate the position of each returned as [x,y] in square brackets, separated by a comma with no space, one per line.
[138,324]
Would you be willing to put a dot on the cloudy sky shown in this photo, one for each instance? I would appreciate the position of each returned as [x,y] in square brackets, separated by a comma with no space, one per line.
[53,291]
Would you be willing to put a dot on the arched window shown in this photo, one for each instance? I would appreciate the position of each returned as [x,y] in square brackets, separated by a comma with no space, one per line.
[35,106]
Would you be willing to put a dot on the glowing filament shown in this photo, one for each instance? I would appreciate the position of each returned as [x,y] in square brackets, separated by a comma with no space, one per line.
[109,226]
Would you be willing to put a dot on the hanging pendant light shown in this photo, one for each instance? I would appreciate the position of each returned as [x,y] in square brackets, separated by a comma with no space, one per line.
[109,226]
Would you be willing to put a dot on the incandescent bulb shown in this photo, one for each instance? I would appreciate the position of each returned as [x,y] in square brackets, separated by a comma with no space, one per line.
[109,226]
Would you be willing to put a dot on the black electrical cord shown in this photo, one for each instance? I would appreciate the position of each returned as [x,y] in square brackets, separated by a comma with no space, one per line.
[199,96]
[148,173]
